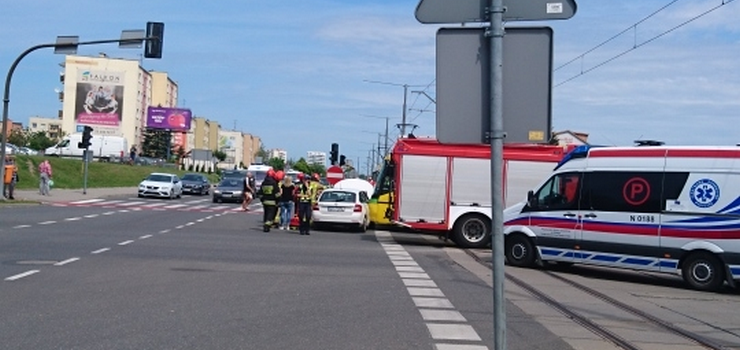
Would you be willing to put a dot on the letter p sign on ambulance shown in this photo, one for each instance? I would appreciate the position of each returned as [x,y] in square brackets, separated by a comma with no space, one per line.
[636,191]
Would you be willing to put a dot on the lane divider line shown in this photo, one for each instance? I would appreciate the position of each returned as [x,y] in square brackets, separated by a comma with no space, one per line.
[47,222]
[65,262]
[21,275]
[145,236]
[22,226]
[126,242]
[101,250]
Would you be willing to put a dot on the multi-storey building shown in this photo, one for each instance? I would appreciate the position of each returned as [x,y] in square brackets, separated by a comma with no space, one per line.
[314,157]
[232,144]
[51,126]
[251,146]
[203,134]
[165,94]
[278,153]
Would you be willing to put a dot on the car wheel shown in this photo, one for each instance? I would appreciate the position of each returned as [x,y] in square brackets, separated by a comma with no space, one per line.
[472,231]
[215,201]
[172,194]
[703,271]
[519,250]
[141,195]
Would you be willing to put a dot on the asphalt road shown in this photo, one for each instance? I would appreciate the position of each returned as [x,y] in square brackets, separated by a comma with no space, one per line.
[135,278]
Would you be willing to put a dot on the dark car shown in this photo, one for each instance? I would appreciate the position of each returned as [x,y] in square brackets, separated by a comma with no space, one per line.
[195,184]
[233,173]
[229,189]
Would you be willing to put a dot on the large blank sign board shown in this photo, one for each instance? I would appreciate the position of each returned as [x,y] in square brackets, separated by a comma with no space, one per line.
[464,85]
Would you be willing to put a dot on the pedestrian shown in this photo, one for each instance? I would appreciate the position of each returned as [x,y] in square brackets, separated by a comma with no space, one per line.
[248,191]
[132,155]
[305,202]
[10,177]
[44,177]
[285,202]
[318,187]
[269,193]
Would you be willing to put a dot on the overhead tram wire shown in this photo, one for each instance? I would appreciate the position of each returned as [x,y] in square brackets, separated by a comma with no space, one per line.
[636,46]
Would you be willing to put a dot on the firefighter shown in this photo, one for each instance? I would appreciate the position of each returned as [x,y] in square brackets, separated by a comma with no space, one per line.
[305,202]
[317,186]
[269,192]
[279,176]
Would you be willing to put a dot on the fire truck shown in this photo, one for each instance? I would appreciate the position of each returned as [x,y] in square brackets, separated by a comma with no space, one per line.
[431,187]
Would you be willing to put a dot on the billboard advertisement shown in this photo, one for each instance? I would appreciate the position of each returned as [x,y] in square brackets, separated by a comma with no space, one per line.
[177,119]
[99,99]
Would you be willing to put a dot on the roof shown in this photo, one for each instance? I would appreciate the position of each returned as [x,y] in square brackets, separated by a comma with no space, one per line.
[512,151]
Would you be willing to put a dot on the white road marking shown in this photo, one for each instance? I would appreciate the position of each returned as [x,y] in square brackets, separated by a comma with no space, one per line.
[442,315]
[409,269]
[197,201]
[209,217]
[453,332]
[130,204]
[433,303]
[219,207]
[424,292]
[21,226]
[47,222]
[102,250]
[145,236]
[109,213]
[123,211]
[190,224]
[21,275]
[401,258]
[164,231]
[110,202]
[459,347]
[413,275]
[198,206]
[65,262]
[404,263]
[86,201]
[91,216]
[179,227]
[126,242]
[153,205]
[175,206]
[419,283]
[216,215]
[200,220]
[73,219]
[136,209]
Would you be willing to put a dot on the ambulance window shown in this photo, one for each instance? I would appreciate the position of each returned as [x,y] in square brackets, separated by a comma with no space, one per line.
[622,191]
[559,193]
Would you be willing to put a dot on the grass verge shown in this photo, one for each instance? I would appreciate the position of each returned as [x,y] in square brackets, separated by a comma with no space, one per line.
[68,173]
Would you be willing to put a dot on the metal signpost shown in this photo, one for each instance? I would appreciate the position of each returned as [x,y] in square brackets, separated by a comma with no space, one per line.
[495,11]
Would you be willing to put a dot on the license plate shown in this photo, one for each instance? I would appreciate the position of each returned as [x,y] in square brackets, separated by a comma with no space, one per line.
[335,209]
[226,195]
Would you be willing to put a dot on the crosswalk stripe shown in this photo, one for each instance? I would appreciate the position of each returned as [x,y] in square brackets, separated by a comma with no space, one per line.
[219,207]
[153,205]
[130,204]
[197,201]
[175,206]
[108,202]
[199,206]
[87,201]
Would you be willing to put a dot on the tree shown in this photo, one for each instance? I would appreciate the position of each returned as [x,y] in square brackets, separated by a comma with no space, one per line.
[39,141]
[18,137]
[156,143]
[276,163]
[302,166]
[219,154]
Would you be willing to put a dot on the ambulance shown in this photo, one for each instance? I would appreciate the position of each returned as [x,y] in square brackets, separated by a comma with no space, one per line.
[662,209]
[429,187]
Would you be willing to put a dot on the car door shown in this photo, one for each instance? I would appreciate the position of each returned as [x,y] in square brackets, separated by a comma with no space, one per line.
[554,217]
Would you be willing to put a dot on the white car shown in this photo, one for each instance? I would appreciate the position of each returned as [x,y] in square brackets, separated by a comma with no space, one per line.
[161,185]
[342,207]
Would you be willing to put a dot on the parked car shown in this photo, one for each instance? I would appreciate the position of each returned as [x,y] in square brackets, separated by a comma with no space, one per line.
[195,184]
[27,151]
[346,207]
[229,190]
[161,185]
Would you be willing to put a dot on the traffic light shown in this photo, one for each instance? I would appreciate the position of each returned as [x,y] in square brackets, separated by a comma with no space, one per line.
[86,136]
[334,154]
[153,48]
[342,160]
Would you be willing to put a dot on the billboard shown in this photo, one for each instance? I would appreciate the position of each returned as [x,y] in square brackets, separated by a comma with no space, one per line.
[99,99]
[177,119]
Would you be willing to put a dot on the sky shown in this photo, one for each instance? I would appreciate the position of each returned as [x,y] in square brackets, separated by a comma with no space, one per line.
[304,74]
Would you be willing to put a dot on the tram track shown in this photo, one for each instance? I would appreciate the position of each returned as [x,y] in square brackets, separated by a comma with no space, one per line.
[600,330]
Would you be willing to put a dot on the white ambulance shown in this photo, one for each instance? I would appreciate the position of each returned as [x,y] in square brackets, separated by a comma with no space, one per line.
[656,208]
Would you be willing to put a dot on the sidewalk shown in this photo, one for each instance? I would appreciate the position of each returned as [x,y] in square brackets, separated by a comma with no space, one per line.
[63,195]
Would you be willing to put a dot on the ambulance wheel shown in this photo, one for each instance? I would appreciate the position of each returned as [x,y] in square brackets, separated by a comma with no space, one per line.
[703,271]
[520,250]
[472,231]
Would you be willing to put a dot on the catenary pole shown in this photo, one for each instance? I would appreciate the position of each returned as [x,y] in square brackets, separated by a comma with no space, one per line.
[497,147]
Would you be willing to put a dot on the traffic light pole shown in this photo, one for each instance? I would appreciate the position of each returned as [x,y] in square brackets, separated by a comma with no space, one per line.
[6,94]
[87,160]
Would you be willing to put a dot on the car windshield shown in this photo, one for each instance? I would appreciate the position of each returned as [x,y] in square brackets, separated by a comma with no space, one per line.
[338,196]
[259,176]
[230,182]
[159,178]
[191,177]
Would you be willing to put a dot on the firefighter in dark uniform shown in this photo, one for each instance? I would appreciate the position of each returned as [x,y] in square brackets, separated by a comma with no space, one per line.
[269,193]
[305,202]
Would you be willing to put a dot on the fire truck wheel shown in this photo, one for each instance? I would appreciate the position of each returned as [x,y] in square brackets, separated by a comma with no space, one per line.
[473,231]
[703,271]
[520,250]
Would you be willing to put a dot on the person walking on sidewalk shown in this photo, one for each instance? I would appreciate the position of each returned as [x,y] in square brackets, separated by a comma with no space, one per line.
[285,202]
[10,177]
[44,177]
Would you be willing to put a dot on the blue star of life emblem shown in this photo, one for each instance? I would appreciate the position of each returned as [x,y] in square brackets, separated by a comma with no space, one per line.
[704,193]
